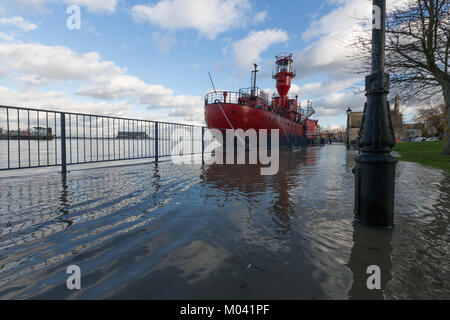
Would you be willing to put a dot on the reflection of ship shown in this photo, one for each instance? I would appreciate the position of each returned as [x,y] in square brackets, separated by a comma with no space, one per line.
[247,180]
[36,133]
[251,109]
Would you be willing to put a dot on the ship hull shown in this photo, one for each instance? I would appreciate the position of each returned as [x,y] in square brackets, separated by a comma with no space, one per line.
[236,116]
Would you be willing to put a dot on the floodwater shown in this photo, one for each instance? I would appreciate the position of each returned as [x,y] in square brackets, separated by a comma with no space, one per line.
[221,232]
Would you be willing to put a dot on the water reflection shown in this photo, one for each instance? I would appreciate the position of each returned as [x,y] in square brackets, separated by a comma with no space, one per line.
[441,220]
[372,247]
[63,199]
[275,193]
[191,232]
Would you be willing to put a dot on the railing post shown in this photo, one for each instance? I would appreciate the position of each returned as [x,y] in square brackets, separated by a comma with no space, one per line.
[156,142]
[192,141]
[203,145]
[63,144]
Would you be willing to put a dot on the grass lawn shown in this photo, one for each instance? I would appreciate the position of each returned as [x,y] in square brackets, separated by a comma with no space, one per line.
[425,153]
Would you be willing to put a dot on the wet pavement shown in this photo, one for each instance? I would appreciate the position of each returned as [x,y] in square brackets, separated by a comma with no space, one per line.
[221,232]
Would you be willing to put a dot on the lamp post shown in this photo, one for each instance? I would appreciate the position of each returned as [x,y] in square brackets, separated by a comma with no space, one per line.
[375,166]
[349,112]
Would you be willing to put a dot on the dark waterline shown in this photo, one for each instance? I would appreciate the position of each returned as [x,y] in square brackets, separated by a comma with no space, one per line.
[221,232]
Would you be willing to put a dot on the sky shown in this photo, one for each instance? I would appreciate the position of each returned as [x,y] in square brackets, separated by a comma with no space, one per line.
[150,59]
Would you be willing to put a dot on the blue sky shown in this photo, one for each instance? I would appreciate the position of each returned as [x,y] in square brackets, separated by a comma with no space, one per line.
[150,59]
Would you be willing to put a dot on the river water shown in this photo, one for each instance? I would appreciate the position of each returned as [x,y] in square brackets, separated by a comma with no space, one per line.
[221,232]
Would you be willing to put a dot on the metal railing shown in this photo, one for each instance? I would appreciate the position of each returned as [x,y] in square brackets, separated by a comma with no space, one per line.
[223,97]
[289,69]
[246,92]
[34,138]
[241,97]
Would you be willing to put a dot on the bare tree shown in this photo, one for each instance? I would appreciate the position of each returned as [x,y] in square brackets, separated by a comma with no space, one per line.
[433,118]
[417,53]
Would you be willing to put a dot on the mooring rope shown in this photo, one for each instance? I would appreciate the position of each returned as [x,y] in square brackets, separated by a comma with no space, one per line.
[282,125]
[224,114]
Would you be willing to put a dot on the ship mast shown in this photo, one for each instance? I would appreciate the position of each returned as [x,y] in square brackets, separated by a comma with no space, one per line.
[254,73]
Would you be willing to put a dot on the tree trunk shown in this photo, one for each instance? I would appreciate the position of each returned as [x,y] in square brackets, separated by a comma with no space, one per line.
[446,138]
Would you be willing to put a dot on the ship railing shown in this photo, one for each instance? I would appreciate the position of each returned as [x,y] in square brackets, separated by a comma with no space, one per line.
[289,96]
[289,69]
[35,138]
[223,97]
[284,55]
[241,97]
[246,92]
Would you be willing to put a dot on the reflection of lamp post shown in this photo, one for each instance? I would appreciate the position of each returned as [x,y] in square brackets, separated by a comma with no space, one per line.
[375,166]
[371,247]
[349,112]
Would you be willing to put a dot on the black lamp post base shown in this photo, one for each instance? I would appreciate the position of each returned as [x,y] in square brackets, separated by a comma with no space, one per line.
[375,185]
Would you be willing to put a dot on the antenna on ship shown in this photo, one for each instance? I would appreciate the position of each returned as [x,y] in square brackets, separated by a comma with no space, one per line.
[254,78]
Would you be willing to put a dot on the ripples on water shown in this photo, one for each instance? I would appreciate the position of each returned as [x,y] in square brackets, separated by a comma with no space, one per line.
[187,232]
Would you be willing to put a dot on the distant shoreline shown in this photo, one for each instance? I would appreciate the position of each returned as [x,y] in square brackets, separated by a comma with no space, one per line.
[26,138]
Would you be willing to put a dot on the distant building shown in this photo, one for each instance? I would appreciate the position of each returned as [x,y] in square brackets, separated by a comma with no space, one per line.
[28,134]
[40,131]
[397,120]
[132,135]
[355,122]
[412,131]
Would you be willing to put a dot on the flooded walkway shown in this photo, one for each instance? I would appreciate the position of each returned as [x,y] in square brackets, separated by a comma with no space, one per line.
[221,232]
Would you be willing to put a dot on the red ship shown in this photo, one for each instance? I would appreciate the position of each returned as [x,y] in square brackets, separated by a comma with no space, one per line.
[250,108]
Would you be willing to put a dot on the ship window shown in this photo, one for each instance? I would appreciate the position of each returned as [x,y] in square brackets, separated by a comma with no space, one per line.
[234,112]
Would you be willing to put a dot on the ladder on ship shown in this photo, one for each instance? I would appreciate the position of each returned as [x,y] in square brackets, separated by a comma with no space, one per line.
[253,80]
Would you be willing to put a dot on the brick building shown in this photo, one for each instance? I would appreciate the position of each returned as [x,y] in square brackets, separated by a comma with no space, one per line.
[355,122]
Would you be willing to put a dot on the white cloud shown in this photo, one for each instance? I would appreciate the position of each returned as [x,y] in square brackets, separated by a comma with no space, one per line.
[328,56]
[6,37]
[125,86]
[55,100]
[247,51]
[332,36]
[2,10]
[209,17]
[96,6]
[38,65]
[336,103]
[315,90]
[260,16]
[18,22]
[42,64]
[194,114]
